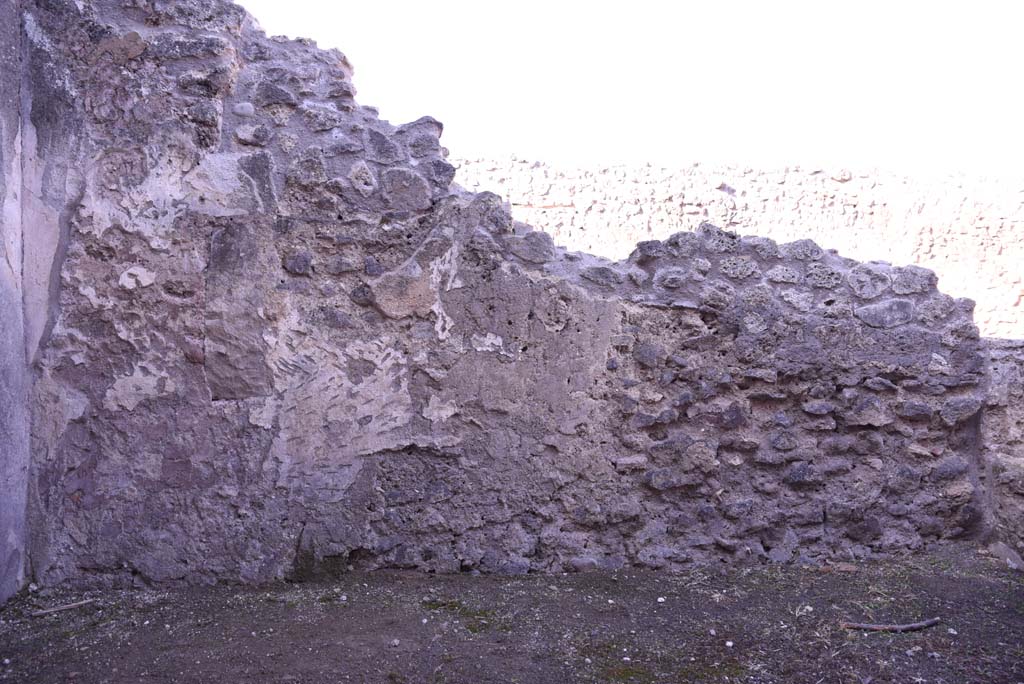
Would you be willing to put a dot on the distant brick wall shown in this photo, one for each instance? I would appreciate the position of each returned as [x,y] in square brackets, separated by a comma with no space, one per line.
[969,230]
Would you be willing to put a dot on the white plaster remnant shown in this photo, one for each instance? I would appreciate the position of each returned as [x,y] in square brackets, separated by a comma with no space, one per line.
[439,411]
[488,342]
[129,391]
[135,277]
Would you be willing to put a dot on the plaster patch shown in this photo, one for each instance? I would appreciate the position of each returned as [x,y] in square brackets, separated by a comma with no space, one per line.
[129,391]
[136,277]
[439,411]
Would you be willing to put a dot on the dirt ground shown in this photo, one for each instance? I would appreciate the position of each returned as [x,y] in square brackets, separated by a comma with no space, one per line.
[769,624]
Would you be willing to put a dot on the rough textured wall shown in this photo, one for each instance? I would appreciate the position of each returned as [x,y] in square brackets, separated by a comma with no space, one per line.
[283,341]
[42,166]
[966,229]
[1004,439]
[14,421]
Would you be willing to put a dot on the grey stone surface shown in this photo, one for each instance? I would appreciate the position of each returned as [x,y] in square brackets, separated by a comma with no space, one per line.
[1002,443]
[258,363]
[14,381]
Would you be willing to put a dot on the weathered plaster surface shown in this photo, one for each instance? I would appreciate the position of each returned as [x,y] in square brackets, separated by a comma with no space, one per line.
[14,384]
[273,338]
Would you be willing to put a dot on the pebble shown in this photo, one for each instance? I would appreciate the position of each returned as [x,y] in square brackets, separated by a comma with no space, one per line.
[7,661]
[395,643]
[587,661]
[728,644]
[952,631]
[661,599]
[713,632]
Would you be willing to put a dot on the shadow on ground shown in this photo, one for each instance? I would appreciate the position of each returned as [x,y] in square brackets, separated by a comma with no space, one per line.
[764,625]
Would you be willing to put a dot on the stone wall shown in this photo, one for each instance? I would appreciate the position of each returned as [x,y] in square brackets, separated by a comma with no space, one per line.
[270,337]
[1003,432]
[967,229]
[285,341]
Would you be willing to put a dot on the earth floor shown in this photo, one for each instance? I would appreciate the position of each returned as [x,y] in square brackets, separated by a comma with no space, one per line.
[767,624]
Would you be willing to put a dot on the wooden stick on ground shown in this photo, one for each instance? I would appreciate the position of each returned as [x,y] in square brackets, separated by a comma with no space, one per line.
[68,606]
[911,627]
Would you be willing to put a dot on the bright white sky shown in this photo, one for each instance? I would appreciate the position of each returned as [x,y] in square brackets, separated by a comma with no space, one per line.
[899,84]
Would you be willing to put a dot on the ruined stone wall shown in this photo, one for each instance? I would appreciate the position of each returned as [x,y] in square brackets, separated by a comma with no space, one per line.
[14,422]
[1004,439]
[966,228]
[43,185]
[279,340]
